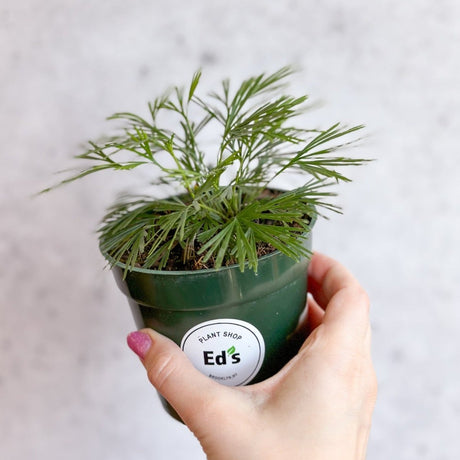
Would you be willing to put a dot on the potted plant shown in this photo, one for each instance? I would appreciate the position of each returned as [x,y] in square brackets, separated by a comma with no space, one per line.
[220,264]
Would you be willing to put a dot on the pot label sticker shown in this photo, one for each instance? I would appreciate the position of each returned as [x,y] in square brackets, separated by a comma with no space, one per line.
[229,351]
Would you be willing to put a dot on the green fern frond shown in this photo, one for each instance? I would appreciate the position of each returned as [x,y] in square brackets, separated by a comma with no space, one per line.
[214,221]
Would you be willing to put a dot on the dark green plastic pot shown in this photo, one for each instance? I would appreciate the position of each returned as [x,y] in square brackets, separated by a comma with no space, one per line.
[266,306]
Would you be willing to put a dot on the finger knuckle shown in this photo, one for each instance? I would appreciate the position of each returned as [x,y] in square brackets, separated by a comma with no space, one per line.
[372,385]
[361,296]
[160,371]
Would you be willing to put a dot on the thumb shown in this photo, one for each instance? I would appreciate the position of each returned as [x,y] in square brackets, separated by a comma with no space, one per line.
[173,375]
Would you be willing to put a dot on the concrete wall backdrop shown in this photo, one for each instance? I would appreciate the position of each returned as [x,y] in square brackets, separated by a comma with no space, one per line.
[69,387]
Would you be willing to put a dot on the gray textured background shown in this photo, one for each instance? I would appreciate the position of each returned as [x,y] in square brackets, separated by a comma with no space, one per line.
[69,387]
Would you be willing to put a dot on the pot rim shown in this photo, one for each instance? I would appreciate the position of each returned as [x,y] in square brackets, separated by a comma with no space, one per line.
[151,271]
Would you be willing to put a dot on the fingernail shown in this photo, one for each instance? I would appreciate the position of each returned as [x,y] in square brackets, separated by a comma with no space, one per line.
[140,343]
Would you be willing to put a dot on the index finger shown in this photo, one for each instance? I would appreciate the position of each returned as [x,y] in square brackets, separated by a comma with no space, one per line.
[339,293]
[326,276]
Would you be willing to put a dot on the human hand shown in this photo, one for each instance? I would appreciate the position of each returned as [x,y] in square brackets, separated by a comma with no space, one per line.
[319,406]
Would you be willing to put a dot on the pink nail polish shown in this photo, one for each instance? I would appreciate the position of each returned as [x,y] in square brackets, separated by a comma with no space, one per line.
[139,342]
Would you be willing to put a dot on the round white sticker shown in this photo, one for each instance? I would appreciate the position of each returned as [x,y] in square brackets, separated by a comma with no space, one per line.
[229,351]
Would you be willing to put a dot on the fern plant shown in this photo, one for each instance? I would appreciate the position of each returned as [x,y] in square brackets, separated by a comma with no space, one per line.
[225,211]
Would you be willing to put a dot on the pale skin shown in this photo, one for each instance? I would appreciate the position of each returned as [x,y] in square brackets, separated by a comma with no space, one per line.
[318,407]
